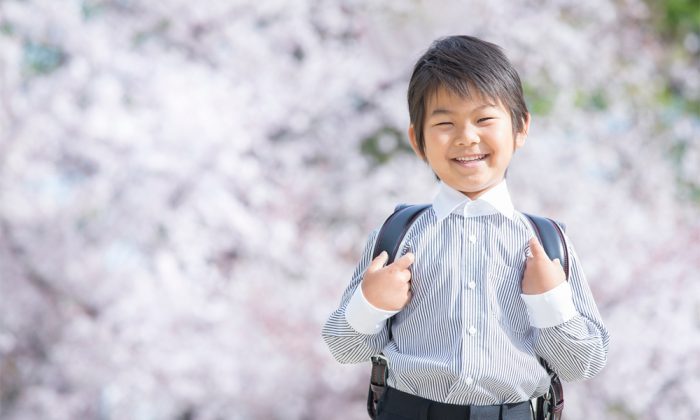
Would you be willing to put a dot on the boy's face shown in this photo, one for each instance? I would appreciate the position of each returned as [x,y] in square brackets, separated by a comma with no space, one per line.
[468,141]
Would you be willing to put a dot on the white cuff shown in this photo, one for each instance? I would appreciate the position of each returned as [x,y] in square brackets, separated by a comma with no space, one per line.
[551,308]
[364,317]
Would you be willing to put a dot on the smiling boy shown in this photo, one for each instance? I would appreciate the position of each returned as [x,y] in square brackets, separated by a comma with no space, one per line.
[475,298]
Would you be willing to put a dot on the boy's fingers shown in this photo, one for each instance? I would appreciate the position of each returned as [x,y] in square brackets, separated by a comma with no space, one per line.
[378,262]
[536,249]
[405,276]
[556,260]
[404,262]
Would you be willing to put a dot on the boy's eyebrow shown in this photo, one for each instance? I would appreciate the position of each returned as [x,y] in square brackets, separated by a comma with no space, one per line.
[438,111]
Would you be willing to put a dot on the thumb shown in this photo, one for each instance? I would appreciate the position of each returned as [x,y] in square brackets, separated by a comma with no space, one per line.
[378,262]
[556,260]
[536,248]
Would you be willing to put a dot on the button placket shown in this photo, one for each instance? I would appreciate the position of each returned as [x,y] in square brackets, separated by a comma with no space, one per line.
[471,284]
[472,245]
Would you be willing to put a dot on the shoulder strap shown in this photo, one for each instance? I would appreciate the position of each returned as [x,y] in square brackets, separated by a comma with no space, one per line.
[394,229]
[551,236]
[389,239]
[549,232]
[392,233]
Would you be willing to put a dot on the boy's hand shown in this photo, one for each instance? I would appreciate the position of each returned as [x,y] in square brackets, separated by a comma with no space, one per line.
[541,273]
[388,288]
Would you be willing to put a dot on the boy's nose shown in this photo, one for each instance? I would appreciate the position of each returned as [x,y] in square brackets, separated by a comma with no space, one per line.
[468,135]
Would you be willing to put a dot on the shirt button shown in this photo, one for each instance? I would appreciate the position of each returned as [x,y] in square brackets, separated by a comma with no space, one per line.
[471,284]
[472,238]
[472,330]
[469,380]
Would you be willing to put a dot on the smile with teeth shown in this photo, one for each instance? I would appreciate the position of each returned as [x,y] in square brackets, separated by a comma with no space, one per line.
[471,158]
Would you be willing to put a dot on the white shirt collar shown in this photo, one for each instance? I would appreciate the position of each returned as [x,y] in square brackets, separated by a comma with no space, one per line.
[496,200]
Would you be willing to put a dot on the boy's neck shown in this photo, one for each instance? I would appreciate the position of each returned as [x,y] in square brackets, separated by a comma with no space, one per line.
[475,195]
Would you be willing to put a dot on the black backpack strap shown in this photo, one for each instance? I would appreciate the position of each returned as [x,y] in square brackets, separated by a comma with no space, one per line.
[394,229]
[551,236]
[392,233]
[389,239]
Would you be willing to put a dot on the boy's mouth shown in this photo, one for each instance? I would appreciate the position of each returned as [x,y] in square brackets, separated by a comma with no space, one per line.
[470,160]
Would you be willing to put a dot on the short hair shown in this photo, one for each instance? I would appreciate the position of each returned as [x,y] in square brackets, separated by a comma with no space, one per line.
[461,64]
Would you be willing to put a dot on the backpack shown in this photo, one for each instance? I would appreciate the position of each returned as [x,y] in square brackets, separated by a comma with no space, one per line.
[551,235]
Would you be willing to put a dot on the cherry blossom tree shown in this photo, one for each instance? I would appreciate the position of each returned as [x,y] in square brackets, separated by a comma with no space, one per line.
[185,189]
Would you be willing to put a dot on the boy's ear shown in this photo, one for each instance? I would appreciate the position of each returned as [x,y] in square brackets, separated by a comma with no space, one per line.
[522,135]
[414,142]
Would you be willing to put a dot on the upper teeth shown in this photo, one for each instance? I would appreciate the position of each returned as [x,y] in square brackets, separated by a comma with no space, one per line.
[467,159]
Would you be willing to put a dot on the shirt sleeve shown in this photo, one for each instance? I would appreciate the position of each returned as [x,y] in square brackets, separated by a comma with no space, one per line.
[551,308]
[577,347]
[365,317]
[367,335]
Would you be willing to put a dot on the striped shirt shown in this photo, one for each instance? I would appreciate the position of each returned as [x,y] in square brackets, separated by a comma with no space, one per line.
[468,335]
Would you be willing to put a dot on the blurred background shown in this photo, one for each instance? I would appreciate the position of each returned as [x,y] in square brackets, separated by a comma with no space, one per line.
[185,189]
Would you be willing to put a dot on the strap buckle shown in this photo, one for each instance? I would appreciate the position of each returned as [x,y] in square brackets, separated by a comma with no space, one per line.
[379,359]
[379,370]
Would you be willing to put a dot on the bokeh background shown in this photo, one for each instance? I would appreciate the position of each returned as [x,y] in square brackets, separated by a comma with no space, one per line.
[185,188]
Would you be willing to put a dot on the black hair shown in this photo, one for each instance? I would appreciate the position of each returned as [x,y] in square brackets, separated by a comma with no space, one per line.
[461,64]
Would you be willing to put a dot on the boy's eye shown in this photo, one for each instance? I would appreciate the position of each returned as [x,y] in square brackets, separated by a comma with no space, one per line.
[444,123]
[484,119]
